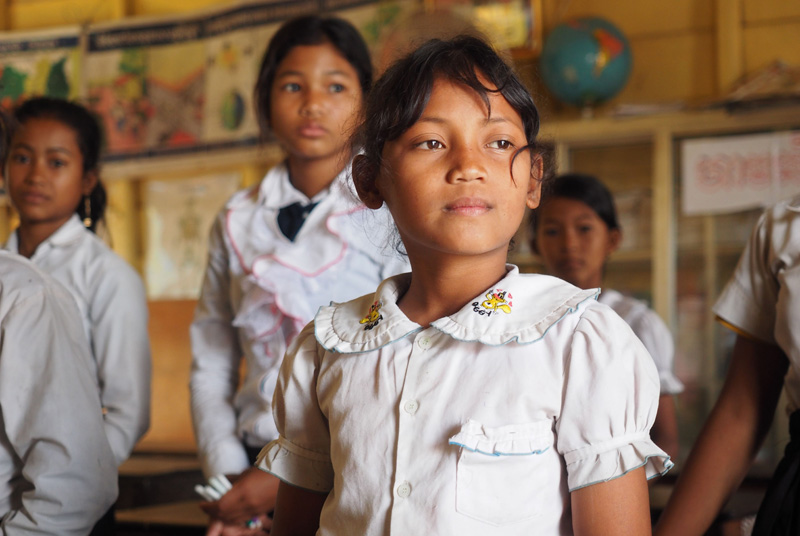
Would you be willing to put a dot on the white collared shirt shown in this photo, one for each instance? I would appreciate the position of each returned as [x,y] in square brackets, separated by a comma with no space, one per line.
[653,333]
[113,306]
[481,423]
[259,290]
[58,474]
[762,297]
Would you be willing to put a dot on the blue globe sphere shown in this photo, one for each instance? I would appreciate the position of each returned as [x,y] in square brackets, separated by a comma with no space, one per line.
[585,61]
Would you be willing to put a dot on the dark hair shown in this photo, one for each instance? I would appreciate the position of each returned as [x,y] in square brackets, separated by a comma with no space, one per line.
[584,188]
[399,97]
[88,135]
[4,137]
[304,31]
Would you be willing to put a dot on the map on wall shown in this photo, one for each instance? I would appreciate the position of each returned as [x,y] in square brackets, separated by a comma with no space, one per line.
[146,84]
[37,64]
[232,63]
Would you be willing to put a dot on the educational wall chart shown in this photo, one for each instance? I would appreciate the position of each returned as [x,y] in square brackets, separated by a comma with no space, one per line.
[41,63]
[734,173]
[179,214]
[170,85]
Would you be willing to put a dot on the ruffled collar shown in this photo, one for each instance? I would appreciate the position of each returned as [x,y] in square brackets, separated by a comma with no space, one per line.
[321,242]
[277,190]
[519,308]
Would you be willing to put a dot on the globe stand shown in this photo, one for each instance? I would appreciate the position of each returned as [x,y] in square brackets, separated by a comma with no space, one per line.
[587,112]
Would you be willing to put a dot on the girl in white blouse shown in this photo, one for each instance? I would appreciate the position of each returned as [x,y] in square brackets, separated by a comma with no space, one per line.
[279,251]
[574,230]
[464,397]
[53,181]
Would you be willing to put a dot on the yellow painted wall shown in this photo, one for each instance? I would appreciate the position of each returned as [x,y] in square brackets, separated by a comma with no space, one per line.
[771,31]
[32,14]
[675,49]
[29,14]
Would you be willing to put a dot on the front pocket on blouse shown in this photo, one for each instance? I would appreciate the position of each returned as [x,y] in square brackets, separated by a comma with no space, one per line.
[497,469]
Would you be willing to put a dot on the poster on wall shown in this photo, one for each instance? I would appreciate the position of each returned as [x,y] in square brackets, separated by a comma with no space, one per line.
[372,18]
[146,84]
[40,64]
[235,40]
[177,85]
[735,173]
[179,214]
[185,84]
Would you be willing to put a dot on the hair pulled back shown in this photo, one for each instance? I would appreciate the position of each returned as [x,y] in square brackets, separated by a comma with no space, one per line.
[88,136]
[306,31]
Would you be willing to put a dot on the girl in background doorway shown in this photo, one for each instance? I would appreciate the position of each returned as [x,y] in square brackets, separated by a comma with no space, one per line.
[574,230]
[464,397]
[279,251]
[52,176]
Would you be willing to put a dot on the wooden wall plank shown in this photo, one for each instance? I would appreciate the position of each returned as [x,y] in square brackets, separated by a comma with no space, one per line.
[635,17]
[756,11]
[170,420]
[765,43]
[730,44]
[48,13]
[159,7]
[671,68]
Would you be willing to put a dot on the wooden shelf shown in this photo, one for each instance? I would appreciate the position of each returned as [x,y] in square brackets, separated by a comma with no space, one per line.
[633,256]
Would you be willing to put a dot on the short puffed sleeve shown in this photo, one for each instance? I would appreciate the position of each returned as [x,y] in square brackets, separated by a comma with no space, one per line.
[749,298]
[611,391]
[301,454]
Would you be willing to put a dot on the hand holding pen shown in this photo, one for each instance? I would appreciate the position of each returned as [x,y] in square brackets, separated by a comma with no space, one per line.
[217,486]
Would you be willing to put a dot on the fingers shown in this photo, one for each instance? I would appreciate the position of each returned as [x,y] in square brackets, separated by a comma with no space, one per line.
[222,529]
[215,528]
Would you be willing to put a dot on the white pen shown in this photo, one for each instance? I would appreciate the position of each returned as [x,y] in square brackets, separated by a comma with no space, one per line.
[214,493]
[225,482]
[201,490]
[217,484]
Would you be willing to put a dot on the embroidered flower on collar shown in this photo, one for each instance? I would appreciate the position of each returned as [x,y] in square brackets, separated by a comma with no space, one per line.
[496,300]
[373,316]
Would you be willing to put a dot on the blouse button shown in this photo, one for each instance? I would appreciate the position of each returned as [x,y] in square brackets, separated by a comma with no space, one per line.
[424,343]
[404,490]
[411,406]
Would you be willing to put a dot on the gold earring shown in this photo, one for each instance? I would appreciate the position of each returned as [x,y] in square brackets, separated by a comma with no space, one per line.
[87,212]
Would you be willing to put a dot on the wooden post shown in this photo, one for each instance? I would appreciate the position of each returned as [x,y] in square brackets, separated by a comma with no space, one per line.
[5,24]
[664,246]
[122,219]
[730,47]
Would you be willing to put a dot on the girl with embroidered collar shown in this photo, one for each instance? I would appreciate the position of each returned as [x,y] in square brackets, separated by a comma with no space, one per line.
[464,397]
[279,251]
[52,176]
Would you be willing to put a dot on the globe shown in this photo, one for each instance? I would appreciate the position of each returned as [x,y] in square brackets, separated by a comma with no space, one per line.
[585,61]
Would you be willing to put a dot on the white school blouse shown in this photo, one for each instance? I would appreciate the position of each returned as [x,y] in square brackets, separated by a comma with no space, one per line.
[57,472]
[113,307]
[653,333]
[762,297]
[259,290]
[481,423]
